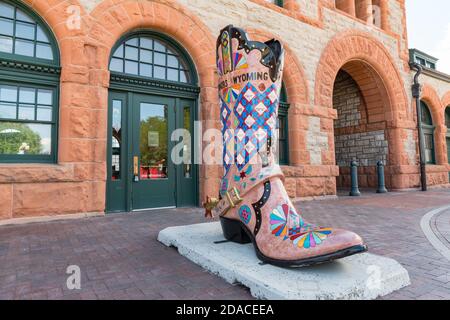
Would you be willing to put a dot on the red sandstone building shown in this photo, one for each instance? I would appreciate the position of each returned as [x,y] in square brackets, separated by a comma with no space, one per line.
[90,91]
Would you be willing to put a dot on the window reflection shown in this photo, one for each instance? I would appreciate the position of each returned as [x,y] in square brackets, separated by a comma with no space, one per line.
[25,103]
[116,139]
[153,141]
[25,139]
[187,146]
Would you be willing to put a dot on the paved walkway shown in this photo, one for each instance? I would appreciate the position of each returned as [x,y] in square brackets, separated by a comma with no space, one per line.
[120,258]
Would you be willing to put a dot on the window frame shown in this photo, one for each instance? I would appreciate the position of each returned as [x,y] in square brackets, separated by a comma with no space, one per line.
[39,21]
[429,129]
[22,71]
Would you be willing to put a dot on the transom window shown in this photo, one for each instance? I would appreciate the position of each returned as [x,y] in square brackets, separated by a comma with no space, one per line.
[28,96]
[21,35]
[149,57]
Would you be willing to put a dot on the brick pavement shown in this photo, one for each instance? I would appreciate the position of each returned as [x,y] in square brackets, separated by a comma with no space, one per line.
[120,258]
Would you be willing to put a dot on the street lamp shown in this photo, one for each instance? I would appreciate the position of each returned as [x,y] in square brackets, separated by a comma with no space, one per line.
[416,92]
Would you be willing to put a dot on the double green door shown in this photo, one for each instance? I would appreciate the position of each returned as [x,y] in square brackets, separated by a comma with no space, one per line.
[150,162]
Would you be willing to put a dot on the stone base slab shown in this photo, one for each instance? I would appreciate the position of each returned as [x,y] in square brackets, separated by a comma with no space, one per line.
[364,276]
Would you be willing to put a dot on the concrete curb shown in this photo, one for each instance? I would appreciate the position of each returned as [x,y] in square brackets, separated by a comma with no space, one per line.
[425,224]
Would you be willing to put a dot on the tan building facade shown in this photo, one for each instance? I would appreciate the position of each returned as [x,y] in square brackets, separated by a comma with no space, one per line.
[347,86]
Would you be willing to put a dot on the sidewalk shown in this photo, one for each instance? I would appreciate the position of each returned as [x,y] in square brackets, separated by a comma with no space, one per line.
[120,258]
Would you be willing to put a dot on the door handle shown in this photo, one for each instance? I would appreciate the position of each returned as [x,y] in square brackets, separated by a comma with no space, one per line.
[136,168]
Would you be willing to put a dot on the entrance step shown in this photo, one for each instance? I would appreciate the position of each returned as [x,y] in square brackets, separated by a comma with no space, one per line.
[364,276]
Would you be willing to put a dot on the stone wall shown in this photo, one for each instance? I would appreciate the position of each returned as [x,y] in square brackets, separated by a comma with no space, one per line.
[347,100]
[366,148]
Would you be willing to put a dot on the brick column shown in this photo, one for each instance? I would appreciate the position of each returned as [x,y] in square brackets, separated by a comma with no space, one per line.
[384,7]
[364,11]
[347,6]
[381,8]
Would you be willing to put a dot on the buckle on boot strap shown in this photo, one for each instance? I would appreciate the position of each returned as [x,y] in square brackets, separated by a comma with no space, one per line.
[231,200]
[234,196]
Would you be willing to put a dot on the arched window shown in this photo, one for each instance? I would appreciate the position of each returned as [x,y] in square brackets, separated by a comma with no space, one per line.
[149,56]
[283,128]
[428,131]
[29,81]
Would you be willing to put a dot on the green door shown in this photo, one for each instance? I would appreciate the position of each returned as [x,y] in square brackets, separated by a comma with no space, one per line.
[186,173]
[154,177]
[117,183]
[144,169]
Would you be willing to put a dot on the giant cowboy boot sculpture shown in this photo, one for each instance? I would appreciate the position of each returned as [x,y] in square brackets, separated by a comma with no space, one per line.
[253,204]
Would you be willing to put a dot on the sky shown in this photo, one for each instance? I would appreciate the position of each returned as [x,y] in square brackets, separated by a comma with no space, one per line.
[429,29]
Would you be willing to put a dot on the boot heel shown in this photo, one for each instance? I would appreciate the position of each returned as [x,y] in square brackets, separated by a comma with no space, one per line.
[233,231]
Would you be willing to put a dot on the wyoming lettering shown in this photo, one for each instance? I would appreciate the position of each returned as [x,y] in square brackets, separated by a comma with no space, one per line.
[250,76]
[225,310]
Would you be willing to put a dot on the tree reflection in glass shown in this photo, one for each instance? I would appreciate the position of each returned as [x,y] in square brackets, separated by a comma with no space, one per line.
[153,141]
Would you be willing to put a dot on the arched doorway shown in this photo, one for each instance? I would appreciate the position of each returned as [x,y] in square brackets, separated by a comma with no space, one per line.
[360,130]
[153,92]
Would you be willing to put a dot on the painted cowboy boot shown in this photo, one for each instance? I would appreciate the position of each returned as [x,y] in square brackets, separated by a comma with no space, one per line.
[253,205]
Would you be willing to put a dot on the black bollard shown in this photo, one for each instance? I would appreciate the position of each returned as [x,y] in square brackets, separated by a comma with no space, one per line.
[354,176]
[381,182]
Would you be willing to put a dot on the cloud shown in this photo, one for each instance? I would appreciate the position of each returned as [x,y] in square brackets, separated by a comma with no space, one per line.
[442,51]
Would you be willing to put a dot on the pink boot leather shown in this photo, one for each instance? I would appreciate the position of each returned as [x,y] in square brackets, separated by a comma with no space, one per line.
[253,205]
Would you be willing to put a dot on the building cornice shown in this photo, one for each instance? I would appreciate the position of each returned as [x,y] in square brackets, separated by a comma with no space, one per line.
[435,74]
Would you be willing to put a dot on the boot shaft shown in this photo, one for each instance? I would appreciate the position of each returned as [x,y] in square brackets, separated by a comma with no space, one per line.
[250,78]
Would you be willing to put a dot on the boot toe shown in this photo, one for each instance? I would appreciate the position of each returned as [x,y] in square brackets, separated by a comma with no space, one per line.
[342,239]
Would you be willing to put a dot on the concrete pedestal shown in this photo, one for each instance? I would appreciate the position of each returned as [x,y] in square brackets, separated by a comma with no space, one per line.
[363,276]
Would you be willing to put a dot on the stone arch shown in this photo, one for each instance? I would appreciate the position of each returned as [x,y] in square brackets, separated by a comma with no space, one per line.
[110,21]
[113,21]
[446,100]
[361,49]
[369,63]
[297,91]
[431,98]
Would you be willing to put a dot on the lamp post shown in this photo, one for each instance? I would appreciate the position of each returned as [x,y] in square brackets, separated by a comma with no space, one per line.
[416,91]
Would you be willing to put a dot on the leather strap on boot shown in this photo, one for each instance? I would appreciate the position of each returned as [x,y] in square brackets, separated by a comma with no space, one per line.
[235,195]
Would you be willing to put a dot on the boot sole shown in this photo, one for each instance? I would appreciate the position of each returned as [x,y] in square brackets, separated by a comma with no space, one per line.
[236,231]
